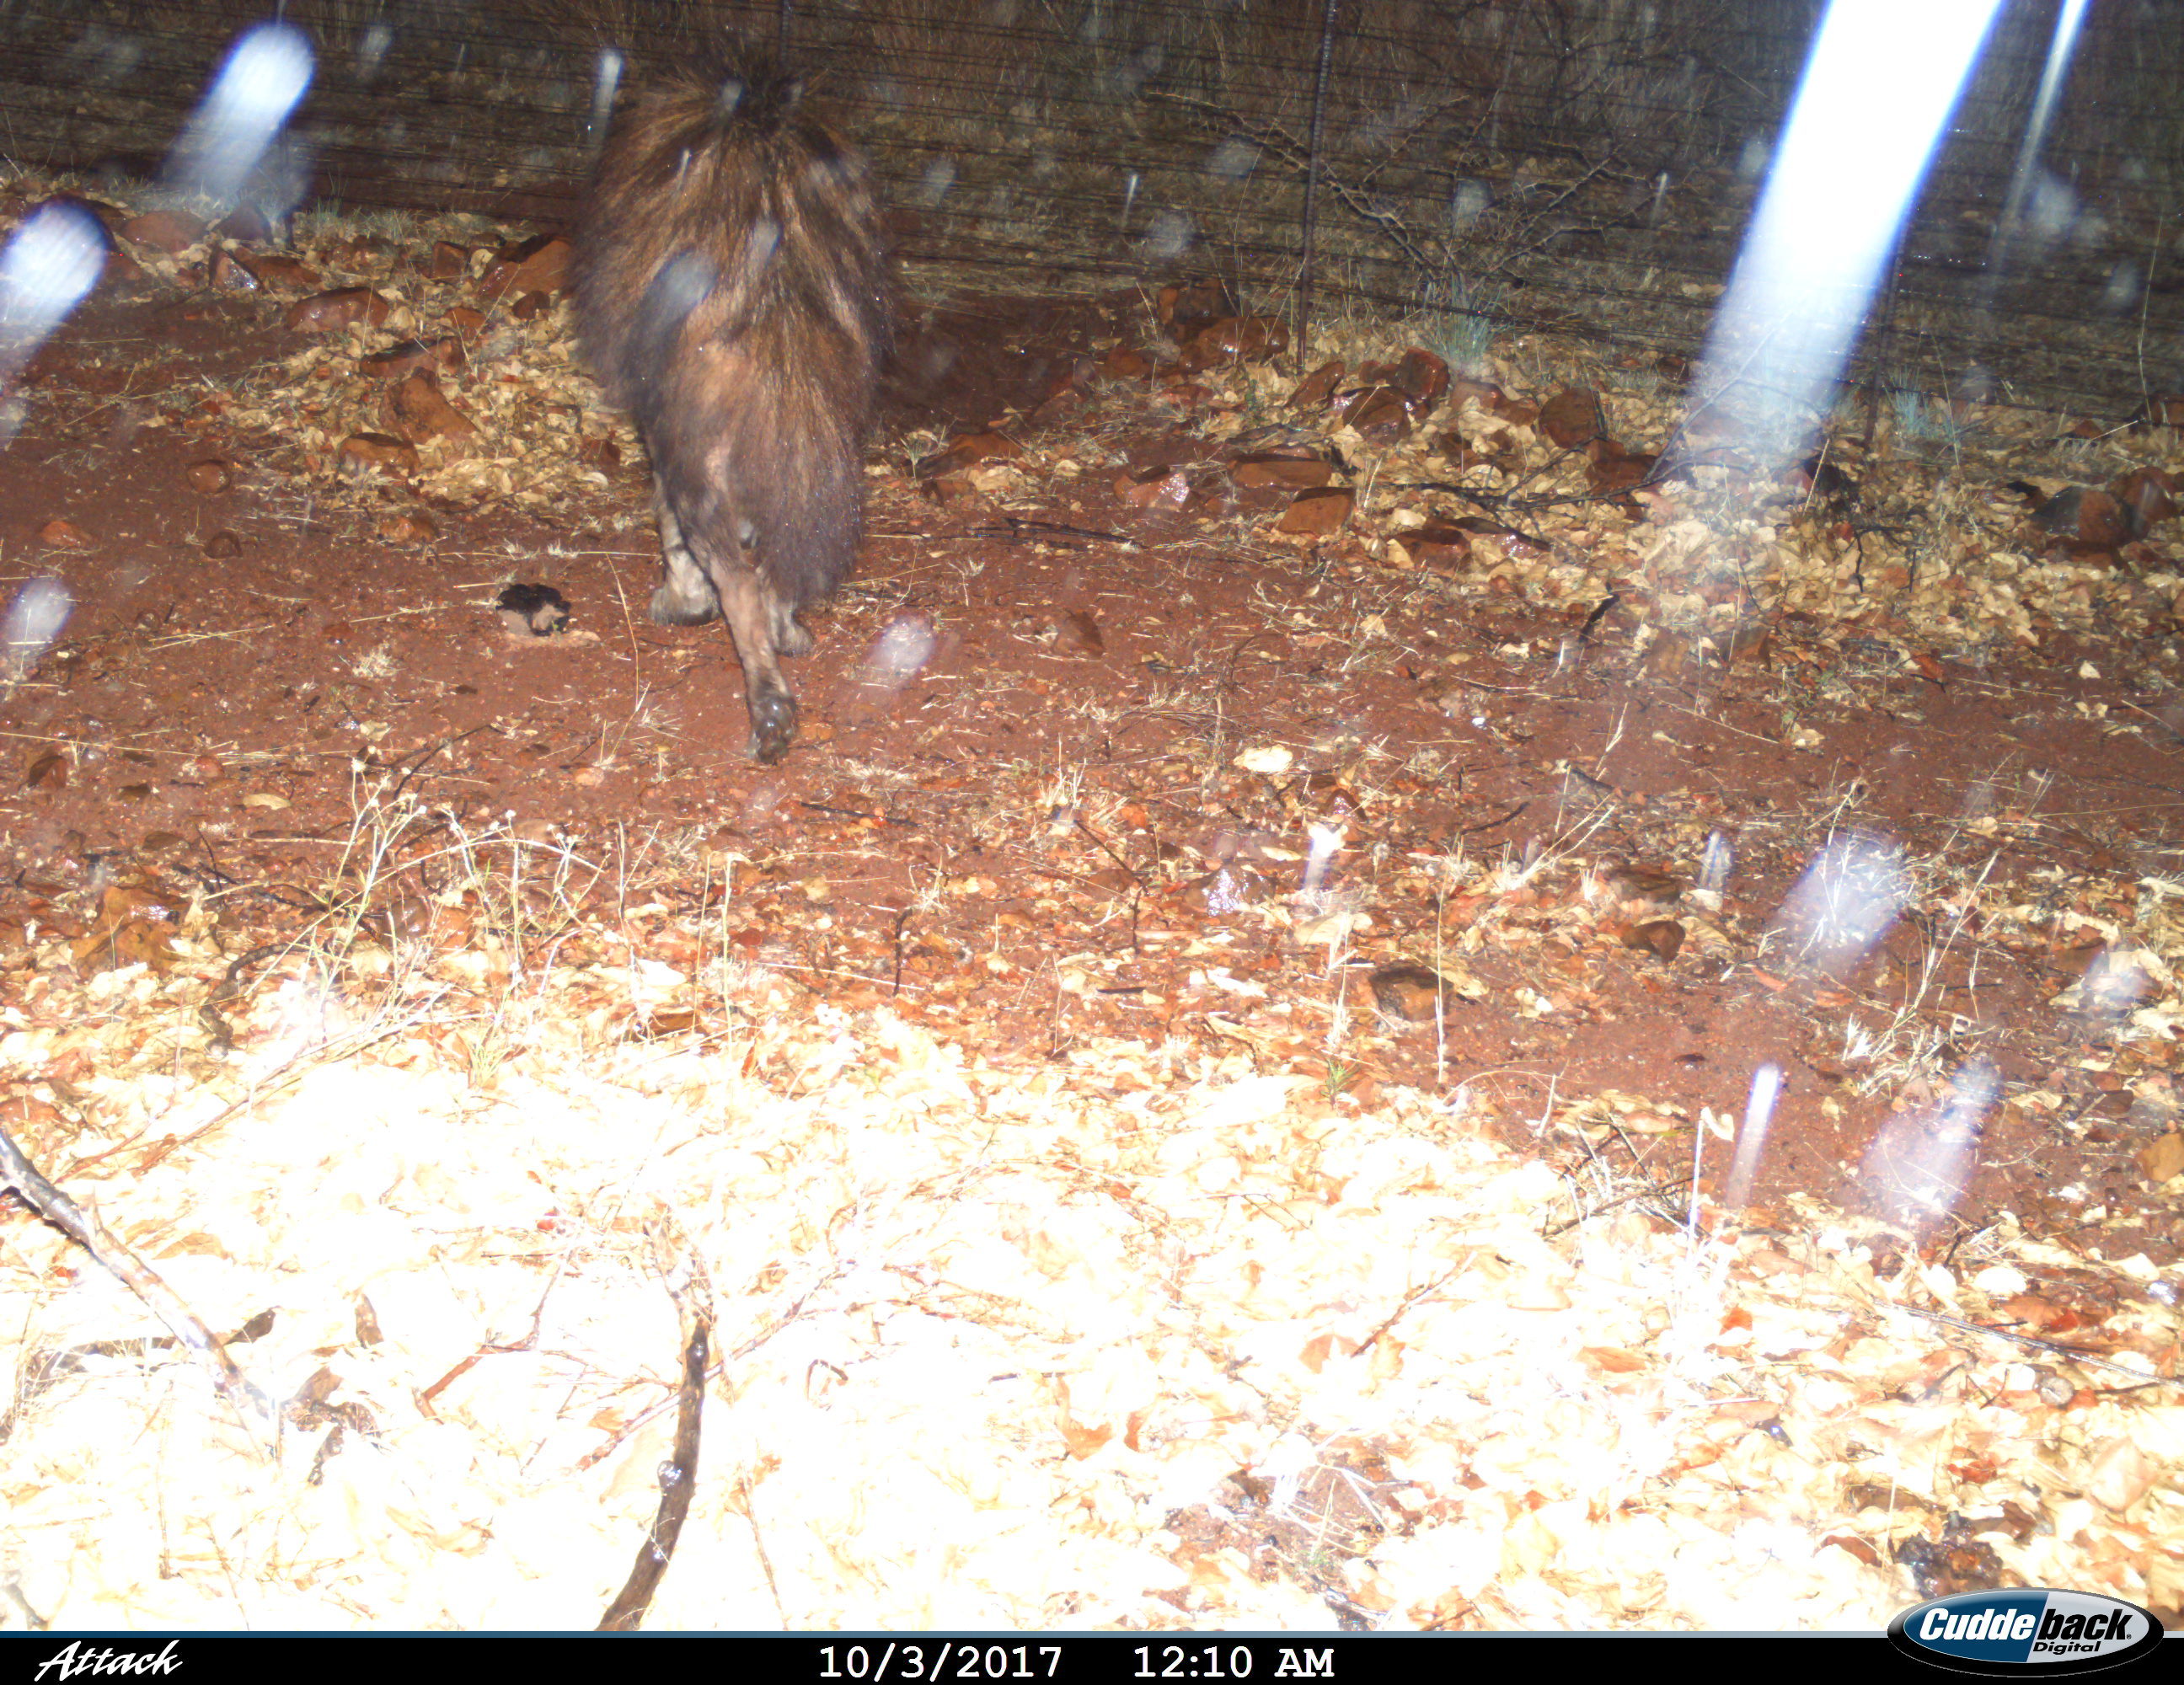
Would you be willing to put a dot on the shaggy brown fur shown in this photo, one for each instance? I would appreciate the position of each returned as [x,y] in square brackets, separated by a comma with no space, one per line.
[732,292]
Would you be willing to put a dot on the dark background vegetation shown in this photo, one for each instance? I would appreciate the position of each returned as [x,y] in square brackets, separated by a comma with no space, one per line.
[1581,167]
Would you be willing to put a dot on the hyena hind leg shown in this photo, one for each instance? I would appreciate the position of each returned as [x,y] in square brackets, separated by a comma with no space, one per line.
[756,619]
[789,635]
[685,597]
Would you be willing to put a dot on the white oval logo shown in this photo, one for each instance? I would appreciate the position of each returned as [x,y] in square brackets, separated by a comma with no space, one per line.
[2025,1630]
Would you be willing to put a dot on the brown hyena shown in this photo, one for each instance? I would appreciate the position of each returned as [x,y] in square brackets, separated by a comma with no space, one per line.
[731,294]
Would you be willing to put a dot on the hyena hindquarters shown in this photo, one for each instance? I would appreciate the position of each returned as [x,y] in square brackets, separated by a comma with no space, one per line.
[732,292]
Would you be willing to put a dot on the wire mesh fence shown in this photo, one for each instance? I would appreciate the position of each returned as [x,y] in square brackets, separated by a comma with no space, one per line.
[1488,169]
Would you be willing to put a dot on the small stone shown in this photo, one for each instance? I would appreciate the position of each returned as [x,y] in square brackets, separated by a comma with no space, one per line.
[331,312]
[1315,389]
[1318,513]
[363,451]
[415,408]
[1571,418]
[172,232]
[410,526]
[538,265]
[1078,633]
[967,451]
[1413,992]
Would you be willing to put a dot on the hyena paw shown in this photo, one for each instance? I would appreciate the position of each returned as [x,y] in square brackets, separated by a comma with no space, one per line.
[790,638]
[669,608]
[773,724]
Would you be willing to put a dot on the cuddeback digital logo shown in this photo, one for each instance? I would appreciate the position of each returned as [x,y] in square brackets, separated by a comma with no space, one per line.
[2026,1631]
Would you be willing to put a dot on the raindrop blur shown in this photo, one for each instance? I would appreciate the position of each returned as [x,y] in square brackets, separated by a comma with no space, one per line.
[1716,864]
[1751,1137]
[1920,1161]
[1845,901]
[1467,204]
[2053,208]
[1326,841]
[1233,160]
[1170,236]
[940,177]
[1752,161]
[609,79]
[2121,294]
[371,49]
[2050,211]
[1876,91]
[35,617]
[252,95]
[45,271]
[900,654]
[1129,77]
[2113,984]
[1225,892]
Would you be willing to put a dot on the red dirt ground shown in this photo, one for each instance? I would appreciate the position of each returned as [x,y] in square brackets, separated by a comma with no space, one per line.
[1044,834]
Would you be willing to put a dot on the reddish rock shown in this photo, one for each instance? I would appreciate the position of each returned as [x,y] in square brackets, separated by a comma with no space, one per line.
[1571,418]
[967,451]
[538,265]
[1065,388]
[226,275]
[172,232]
[360,451]
[411,356]
[1460,453]
[245,225]
[2148,493]
[1438,545]
[1123,363]
[1420,376]
[2085,521]
[1380,414]
[363,251]
[1315,389]
[415,408]
[331,312]
[1151,486]
[271,268]
[1235,338]
[465,320]
[1184,310]
[410,526]
[1611,469]
[63,535]
[1318,513]
[222,545]
[209,477]
[1078,633]
[1515,410]
[1182,394]
[448,261]
[1291,472]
